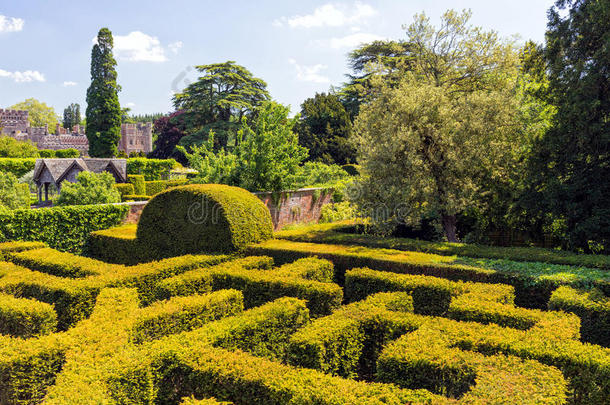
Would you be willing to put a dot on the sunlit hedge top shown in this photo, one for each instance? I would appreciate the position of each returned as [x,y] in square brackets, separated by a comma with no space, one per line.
[203,218]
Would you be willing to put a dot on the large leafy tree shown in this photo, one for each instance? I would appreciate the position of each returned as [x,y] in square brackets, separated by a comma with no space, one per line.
[12,148]
[266,158]
[426,143]
[219,99]
[387,58]
[71,116]
[571,165]
[170,130]
[40,114]
[103,108]
[324,128]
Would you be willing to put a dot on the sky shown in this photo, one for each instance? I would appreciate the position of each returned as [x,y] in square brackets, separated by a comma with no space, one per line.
[298,47]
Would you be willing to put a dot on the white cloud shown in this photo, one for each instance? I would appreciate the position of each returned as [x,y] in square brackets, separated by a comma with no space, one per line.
[23,77]
[130,105]
[69,84]
[329,15]
[310,73]
[139,47]
[11,24]
[349,41]
[175,46]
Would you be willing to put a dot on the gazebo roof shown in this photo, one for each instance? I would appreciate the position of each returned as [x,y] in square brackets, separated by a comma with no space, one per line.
[59,168]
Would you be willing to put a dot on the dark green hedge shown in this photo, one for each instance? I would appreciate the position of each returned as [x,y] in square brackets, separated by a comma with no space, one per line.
[155,187]
[62,228]
[203,218]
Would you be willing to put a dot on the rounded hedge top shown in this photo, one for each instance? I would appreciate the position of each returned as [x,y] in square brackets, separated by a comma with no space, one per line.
[203,218]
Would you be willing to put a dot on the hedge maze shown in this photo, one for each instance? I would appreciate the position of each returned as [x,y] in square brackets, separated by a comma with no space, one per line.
[281,325]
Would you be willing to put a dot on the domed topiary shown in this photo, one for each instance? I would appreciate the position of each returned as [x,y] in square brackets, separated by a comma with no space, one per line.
[203,218]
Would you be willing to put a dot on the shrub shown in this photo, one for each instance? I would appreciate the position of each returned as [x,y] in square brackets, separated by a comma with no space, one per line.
[12,148]
[337,212]
[12,194]
[90,188]
[16,166]
[64,228]
[25,318]
[200,218]
[592,307]
[116,245]
[124,189]
[139,185]
[352,170]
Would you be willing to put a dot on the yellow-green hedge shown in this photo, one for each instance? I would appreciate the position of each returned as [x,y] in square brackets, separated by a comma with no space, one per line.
[533,287]
[26,318]
[258,286]
[592,307]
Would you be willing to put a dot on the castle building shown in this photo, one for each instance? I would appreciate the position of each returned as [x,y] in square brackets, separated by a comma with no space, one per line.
[15,123]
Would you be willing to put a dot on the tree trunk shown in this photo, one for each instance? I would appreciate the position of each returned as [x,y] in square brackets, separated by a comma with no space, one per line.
[449,226]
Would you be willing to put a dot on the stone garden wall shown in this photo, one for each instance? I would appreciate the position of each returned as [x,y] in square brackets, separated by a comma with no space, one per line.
[288,207]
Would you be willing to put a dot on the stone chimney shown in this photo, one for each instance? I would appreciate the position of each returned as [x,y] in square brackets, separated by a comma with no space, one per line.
[57,129]
[76,129]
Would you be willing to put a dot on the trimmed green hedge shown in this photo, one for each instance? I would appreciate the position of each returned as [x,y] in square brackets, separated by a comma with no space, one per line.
[25,318]
[341,233]
[63,228]
[347,342]
[74,298]
[185,313]
[199,363]
[155,187]
[17,166]
[135,197]
[203,218]
[138,182]
[258,286]
[116,245]
[151,169]
[429,359]
[533,284]
[592,307]
[124,189]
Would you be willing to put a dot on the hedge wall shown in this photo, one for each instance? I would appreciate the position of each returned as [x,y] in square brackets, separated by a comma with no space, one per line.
[342,233]
[592,307]
[62,228]
[533,284]
[151,169]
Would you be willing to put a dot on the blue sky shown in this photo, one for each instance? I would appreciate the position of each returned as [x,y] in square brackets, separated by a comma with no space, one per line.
[297,47]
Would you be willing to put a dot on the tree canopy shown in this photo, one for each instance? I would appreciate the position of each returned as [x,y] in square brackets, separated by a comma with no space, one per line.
[71,116]
[570,167]
[324,128]
[40,114]
[103,108]
[425,144]
[219,99]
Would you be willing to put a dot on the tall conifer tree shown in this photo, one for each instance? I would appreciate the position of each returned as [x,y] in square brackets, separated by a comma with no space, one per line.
[103,108]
